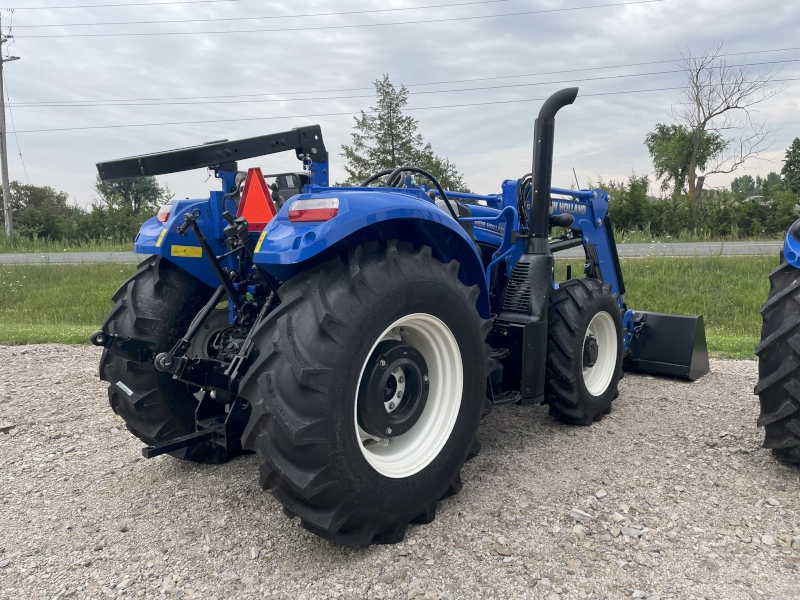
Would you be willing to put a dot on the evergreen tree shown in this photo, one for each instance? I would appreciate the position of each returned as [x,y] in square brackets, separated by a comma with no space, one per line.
[744,185]
[791,167]
[389,139]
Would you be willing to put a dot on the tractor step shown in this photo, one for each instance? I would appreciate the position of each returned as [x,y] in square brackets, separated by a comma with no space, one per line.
[507,398]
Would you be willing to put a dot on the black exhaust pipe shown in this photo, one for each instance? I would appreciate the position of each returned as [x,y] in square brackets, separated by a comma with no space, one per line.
[544,130]
[523,315]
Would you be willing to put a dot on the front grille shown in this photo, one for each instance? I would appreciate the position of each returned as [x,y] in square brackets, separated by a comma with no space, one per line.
[518,289]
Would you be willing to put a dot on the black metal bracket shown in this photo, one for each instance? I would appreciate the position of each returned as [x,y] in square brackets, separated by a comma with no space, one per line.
[221,429]
[123,346]
[178,443]
[305,141]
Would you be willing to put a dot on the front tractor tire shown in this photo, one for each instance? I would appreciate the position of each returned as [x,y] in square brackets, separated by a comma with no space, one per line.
[156,304]
[368,391]
[778,354]
[584,351]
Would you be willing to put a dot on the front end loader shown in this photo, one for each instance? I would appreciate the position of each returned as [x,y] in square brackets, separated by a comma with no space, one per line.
[354,337]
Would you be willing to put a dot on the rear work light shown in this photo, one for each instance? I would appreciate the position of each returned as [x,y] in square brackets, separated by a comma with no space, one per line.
[163,212]
[318,209]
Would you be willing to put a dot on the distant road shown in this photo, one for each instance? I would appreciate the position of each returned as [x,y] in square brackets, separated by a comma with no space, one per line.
[624,250]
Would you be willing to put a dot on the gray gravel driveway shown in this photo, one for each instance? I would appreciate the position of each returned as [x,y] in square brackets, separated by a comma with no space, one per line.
[670,496]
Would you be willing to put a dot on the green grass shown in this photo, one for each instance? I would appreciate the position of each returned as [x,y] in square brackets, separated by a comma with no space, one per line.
[644,236]
[727,290]
[56,303]
[24,245]
[65,303]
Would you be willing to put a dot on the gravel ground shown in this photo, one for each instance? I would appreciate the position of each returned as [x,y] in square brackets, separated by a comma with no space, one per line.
[670,496]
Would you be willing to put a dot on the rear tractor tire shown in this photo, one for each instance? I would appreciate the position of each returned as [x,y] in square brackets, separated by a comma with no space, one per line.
[156,304]
[368,391]
[778,354]
[584,351]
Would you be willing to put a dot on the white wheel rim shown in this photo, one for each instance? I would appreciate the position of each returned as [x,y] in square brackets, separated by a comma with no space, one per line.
[598,377]
[409,453]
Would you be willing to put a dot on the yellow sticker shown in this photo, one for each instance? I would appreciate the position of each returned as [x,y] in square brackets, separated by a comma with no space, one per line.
[187,251]
[161,237]
[261,240]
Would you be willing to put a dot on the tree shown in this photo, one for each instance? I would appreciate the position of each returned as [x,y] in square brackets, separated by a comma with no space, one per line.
[122,205]
[389,139]
[136,194]
[744,185]
[671,147]
[631,207]
[40,211]
[719,96]
[791,167]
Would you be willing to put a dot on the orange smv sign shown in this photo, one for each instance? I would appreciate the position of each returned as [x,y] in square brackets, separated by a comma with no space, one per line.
[256,205]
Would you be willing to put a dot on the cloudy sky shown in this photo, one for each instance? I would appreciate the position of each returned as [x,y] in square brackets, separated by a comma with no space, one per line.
[95,86]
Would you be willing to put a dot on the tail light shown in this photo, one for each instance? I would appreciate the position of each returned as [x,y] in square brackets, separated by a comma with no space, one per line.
[318,209]
[163,212]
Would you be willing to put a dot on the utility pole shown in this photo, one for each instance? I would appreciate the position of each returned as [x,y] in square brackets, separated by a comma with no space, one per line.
[3,138]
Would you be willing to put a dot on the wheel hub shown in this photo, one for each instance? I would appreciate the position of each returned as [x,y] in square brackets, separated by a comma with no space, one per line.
[393,391]
[590,351]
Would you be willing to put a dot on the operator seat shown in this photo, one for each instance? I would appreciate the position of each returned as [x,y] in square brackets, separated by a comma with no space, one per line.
[462,211]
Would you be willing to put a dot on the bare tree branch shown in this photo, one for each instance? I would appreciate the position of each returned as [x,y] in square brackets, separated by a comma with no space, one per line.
[718,96]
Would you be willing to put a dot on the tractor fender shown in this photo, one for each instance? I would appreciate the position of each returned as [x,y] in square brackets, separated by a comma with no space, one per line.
[286,248]
[162,239]
[791,245]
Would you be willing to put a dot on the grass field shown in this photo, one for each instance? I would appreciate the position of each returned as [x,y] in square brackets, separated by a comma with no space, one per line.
[20,245]
[65,303]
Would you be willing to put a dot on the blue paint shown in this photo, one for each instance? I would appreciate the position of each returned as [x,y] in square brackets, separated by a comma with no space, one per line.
[376,213]
[791,247]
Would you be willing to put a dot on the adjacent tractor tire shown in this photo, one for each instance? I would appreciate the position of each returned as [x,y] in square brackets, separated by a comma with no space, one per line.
[156,304]
[584,351]
[779,364]
[368,391]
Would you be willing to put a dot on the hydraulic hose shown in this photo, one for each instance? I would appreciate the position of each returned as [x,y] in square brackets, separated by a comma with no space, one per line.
[436,183]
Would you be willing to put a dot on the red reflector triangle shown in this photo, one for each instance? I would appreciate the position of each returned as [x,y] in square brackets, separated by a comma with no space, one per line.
[256,205]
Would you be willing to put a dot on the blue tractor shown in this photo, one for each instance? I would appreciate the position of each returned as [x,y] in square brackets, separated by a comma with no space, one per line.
[354,337]
[778,385]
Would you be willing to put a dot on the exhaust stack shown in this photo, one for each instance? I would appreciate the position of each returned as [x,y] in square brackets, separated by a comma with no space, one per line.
[543,136]
[525,299]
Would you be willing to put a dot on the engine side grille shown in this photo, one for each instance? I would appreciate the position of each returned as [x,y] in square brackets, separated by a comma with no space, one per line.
[518,289]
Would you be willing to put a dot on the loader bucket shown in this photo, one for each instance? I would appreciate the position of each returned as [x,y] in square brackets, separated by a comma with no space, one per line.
[668,345]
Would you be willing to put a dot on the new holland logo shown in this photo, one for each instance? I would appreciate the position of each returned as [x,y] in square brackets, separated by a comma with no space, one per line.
[499,228]
[562,206]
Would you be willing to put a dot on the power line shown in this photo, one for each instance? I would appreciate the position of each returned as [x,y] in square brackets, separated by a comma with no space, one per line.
[350,113]
[126,4]
[425,92]
[353,26]
[495,87]
[158,101]
[14,125]
[295,16]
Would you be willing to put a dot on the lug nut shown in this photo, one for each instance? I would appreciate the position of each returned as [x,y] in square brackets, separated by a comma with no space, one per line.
[392,405]
[382,363]
[401,379]
[388,431]
[399,394]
